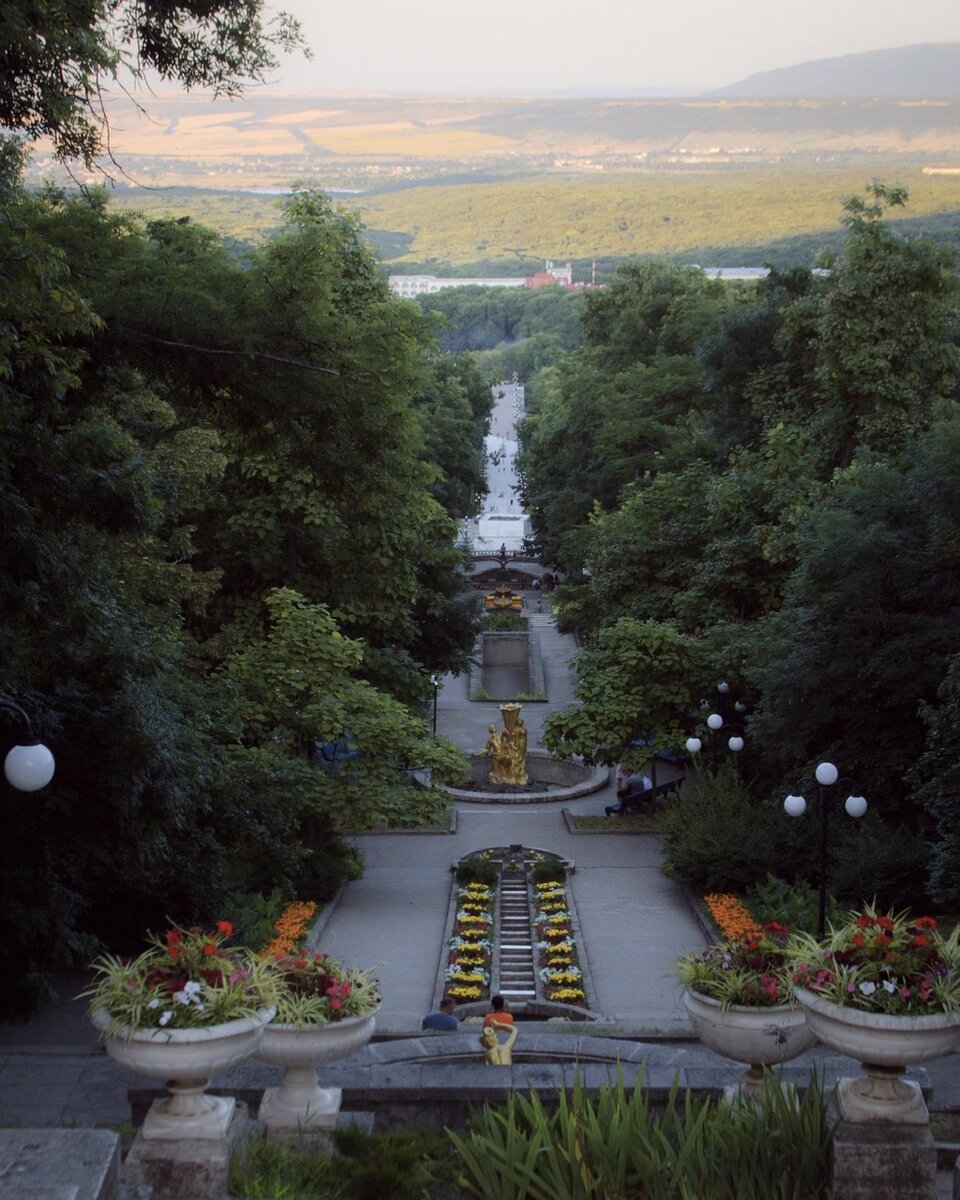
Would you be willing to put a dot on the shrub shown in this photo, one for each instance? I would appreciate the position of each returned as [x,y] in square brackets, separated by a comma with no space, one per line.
[794,904]
[504,622]
[478,870]
[717,838]
[543,872]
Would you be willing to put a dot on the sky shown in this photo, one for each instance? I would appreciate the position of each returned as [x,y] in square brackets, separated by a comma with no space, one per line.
[511,46]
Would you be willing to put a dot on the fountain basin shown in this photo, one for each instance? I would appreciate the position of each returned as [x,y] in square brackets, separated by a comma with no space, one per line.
[551,779]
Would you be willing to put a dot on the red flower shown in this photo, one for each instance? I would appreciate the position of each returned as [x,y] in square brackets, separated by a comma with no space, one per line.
[920,940]
[882,939]
[885,923]
[210,948]
[858,939]
[925,923]
[864,922]
[225,927]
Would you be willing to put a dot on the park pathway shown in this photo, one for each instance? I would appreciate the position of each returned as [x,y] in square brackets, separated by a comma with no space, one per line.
[634,922]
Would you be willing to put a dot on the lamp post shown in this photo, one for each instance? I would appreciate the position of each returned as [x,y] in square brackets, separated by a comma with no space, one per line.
[435,680]
[29,765]
[825,776]
[716,722]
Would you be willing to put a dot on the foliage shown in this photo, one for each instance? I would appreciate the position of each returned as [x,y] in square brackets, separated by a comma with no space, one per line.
[795,904]
[404,1163]
[752,970]
[58,57]
[317,990]
[938,776]
[613,1144]
[478,870]
[504,622]
[254,916]
[188,979]
[718,838]
[891,963]
[543,872]
[635,680]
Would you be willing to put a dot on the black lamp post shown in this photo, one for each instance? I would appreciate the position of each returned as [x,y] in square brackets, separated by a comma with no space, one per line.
[825,776]
[435,680]
[29,765]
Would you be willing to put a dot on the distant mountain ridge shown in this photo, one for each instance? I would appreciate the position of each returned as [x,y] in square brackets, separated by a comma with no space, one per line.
[930,71]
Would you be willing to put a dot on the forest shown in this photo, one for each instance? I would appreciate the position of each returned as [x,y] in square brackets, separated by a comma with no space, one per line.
[230,492]
[761,486]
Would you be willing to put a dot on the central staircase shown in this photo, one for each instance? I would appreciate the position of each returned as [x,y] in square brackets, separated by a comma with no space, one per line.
[516,970]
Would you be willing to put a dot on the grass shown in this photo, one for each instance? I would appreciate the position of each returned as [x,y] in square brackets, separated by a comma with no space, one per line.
[630,823]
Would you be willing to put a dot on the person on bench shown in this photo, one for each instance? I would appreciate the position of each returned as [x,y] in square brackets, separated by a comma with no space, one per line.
[630,793]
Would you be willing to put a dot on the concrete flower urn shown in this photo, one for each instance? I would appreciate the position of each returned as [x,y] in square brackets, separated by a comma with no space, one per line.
[885,1045]
[758,1036]
[300,1103]
[185,1060]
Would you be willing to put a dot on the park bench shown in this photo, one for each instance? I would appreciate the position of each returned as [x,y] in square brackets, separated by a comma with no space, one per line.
[646,797]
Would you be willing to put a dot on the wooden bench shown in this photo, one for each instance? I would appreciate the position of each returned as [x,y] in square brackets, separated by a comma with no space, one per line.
[643,797]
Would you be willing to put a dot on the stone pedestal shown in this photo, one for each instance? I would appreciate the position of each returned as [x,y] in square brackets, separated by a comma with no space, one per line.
[187,1169]
[877,1160]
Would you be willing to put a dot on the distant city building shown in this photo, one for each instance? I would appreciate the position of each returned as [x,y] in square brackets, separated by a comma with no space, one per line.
[409,286]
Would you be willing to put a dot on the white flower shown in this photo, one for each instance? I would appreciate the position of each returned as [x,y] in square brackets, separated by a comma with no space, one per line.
[165,1017]
[868,988]
[193,987]
[190,993]
[889,985]
[154,1003]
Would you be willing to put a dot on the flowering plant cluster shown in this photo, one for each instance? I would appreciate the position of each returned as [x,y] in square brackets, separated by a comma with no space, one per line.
[752,969]
[731,917]
[317,989]
[559,970]
[187,979]
[289,929]
[891,963]
[468,956]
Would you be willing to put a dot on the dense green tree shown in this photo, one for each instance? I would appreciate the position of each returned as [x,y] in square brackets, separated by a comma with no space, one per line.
[59,58]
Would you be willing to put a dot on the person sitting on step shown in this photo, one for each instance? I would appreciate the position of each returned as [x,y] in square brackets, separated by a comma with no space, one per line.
[498,1012]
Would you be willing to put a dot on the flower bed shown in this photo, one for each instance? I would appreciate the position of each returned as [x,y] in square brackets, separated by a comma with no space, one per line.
[469,953]
[557,962]
[290,928]
[732,918]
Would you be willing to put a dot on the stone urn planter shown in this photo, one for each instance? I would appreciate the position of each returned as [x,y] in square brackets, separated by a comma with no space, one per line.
[885,1046]
[300,1103]
[185,1060]
[758,1036]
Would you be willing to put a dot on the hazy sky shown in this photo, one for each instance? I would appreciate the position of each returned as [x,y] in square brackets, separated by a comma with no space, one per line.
[507,45]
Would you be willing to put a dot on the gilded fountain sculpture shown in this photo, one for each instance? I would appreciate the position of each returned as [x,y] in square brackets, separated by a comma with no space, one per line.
[507,748]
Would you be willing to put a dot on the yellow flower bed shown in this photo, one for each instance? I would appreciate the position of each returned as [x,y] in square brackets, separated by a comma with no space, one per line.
[571,995]
[732,918]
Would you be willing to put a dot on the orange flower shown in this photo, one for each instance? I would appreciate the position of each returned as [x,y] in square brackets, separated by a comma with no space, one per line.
[733,918]
[289,928]
[225,927]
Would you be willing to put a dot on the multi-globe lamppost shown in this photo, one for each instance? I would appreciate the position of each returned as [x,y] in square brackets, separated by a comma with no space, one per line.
[825,776]
[29,765]
[715,722]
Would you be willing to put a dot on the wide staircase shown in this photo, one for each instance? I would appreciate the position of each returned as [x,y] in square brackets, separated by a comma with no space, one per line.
[516,958]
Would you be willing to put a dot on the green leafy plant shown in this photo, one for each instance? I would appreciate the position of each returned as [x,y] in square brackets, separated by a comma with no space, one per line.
[882,962]
[543,872]
[613,1144]
[405,1164]
[794,904]
[255,916]
[753,969]
[187,979]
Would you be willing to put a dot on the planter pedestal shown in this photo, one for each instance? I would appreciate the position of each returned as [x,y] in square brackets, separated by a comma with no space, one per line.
[885,1045]
[876,1160]
[185,1059]
[300,1103]
[187,1168]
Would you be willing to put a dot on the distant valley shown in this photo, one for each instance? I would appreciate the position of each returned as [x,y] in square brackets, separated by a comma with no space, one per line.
[459,181]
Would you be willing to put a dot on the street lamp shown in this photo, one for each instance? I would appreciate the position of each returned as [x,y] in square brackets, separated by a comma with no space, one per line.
[435,680]
[826,776]
[29,765]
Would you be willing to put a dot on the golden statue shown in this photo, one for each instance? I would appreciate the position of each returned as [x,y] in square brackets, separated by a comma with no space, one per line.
[495,1052]
[508,750]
